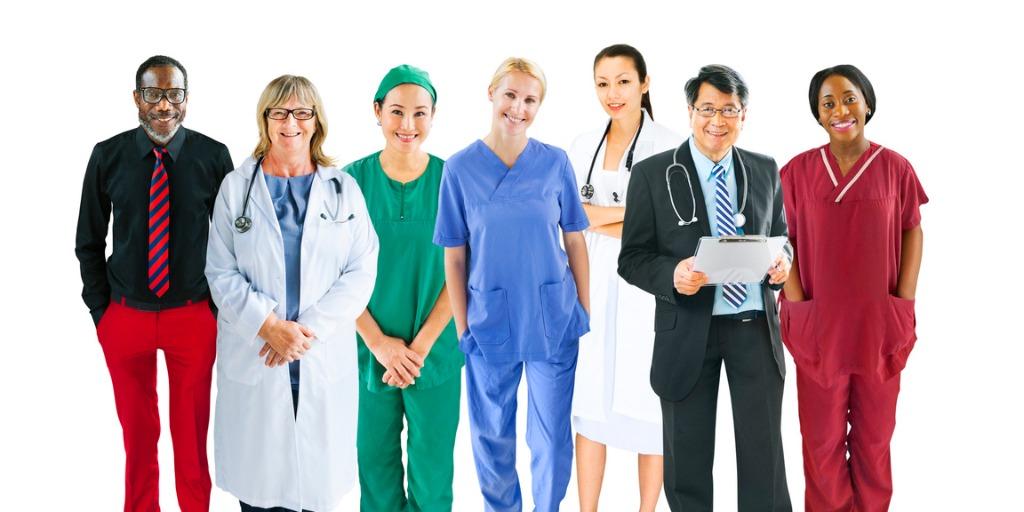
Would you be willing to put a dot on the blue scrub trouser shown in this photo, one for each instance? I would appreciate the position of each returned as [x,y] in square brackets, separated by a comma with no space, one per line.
[491,398]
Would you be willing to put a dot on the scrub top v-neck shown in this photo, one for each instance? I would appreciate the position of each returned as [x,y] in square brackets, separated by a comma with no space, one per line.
[410,267]
[847,231]
[290,196]
[522,303]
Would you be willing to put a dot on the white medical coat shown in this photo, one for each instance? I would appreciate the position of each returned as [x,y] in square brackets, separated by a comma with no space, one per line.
[264,455]
[621,315]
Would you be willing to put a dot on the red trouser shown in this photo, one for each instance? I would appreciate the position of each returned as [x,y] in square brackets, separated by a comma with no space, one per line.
[862,483]
[188,337]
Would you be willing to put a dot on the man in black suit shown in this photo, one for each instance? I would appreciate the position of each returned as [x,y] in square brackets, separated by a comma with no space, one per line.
[698,328]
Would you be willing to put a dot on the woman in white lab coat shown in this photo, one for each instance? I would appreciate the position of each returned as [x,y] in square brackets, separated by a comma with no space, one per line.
[291,263]
[614,404]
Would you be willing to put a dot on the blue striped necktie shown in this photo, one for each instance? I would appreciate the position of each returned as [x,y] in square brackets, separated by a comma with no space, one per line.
[734,293]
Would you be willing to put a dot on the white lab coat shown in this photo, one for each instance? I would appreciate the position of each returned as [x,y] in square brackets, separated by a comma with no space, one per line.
[264,455]
[615,356]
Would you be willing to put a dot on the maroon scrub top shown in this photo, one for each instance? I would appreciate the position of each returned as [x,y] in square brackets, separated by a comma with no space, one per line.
[848,232]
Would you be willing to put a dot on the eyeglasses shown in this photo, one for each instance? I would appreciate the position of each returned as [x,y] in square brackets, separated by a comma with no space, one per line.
[280,114]
[153,95]
[729,112]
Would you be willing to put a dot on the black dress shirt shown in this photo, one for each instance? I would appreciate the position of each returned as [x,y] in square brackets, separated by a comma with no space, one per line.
[118,177]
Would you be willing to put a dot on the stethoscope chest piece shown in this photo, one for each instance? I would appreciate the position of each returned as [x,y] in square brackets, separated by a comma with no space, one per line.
[243,223]
[587,191]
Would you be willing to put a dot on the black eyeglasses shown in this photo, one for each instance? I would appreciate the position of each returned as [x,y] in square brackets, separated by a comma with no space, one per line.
[153,95]
[279,114]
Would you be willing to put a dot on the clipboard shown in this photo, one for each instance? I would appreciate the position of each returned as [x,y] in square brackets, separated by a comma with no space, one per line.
[737,259]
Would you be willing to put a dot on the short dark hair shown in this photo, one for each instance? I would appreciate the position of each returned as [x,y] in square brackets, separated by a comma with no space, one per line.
[625,50]
[723,78]
[849,72]
[158,61]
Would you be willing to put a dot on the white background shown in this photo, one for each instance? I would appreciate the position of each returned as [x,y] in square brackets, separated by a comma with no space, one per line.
[947,82]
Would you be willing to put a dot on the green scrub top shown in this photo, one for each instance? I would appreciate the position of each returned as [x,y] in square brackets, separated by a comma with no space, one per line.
[410,268]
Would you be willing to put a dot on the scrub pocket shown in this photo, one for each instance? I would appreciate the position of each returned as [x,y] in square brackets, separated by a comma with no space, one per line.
[564,317]
[487,316]
[900,324]
[797,325]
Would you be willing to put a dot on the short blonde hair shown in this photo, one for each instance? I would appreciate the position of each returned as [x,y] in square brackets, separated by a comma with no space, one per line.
[277,93]
[523,66]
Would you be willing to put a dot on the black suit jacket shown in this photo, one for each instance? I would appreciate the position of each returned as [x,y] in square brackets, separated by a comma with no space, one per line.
[653,243]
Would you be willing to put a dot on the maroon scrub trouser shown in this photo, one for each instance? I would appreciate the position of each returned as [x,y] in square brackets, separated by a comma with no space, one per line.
[862,482]
[130,339]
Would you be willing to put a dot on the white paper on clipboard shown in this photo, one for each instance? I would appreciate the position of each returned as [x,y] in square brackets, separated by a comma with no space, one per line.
[737,259]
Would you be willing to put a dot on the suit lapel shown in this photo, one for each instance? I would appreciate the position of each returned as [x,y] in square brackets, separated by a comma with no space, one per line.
[739,165]
[686,159]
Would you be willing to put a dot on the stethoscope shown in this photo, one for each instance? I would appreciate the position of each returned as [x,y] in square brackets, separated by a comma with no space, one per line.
[738,218]
[243,222]
[587,190]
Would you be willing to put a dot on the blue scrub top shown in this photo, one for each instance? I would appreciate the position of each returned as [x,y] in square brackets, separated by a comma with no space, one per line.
[290,196]
[521,298]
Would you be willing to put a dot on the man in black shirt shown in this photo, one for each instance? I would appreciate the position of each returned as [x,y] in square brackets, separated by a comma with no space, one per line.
[160,180]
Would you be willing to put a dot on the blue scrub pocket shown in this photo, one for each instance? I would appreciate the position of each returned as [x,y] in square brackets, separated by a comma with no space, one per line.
[564,317]
[487,316]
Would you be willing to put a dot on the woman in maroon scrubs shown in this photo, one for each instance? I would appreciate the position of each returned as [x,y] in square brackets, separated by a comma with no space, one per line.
[847,309]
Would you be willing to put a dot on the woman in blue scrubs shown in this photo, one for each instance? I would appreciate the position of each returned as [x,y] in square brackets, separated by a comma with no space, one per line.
[507,205]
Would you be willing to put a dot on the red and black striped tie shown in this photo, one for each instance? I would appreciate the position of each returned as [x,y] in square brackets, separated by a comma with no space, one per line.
[159,227]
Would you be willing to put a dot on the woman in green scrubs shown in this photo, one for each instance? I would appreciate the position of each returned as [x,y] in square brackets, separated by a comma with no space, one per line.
[409,360]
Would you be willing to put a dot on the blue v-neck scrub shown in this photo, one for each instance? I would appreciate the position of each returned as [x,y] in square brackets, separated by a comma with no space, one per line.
[522,311]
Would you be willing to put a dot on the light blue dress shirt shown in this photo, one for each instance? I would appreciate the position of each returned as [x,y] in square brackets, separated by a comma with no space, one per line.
[290,196]
[704,167]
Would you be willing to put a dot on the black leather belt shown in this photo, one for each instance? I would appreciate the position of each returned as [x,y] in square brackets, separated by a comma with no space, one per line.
[743,316]
[149,306]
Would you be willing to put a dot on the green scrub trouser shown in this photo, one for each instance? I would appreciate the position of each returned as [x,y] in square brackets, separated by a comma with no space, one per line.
[433,417]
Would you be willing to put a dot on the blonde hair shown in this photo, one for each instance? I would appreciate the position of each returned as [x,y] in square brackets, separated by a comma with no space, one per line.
[277,93]
[523,66]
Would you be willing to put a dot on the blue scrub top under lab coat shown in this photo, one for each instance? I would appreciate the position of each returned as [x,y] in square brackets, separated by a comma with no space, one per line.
[290,196]
[521,298]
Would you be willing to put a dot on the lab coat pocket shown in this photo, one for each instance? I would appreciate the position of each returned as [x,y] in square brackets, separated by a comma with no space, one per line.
[237,360]
[797,325]
[563,316]
[900,326]
[338,357]
[487,316]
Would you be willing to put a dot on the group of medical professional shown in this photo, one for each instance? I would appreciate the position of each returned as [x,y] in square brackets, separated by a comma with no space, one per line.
[342,303]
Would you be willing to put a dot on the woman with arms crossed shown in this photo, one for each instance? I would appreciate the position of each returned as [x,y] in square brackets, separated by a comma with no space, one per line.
[614,404]
[848,308]
[507,202]
[409,359]
[291,263]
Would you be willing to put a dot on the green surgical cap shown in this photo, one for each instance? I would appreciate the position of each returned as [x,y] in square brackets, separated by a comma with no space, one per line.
[404,74]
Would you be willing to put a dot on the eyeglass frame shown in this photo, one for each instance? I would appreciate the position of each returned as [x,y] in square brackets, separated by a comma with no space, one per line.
[164,94]
[701,111]
[289,112]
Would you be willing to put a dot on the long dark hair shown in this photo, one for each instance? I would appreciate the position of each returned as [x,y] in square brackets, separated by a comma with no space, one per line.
[625,50]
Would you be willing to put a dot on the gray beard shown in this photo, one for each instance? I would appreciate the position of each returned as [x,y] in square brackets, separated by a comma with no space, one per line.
[156,137]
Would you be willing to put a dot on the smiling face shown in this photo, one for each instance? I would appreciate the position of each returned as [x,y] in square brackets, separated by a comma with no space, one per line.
[289,134]
[715,135]
[515,100]
[842,110]
[405,115]
[161,120]
[618,87]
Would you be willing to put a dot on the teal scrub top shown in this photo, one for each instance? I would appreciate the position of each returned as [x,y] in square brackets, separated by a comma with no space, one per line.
[410,268]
